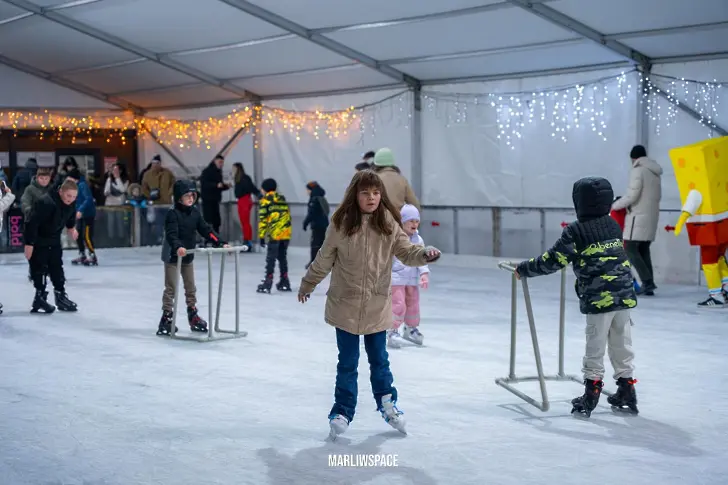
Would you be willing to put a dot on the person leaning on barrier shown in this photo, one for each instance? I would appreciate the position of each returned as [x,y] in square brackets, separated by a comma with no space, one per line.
[593,244]
[181,225]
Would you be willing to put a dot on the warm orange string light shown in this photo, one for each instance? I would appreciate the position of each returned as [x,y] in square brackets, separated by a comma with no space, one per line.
[185,134]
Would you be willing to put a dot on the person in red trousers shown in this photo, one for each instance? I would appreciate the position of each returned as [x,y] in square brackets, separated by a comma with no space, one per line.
[245,189]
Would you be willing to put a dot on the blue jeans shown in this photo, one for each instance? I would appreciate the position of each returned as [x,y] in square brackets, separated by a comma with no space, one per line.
[381,378]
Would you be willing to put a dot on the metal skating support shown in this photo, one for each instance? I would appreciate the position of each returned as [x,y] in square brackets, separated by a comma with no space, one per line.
[218,334]
[506,382]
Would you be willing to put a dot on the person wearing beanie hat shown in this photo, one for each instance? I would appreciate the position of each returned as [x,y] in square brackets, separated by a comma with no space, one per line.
[398,188]
[406,284]
[274,230]
[317,217]
[642,201]
[182,223]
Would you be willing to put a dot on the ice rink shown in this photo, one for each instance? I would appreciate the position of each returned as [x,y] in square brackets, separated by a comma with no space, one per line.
[96,398]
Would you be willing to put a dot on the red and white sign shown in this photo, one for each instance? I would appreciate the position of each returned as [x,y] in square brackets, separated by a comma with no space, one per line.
[109,162]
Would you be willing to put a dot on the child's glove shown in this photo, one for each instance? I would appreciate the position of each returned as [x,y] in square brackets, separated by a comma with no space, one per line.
[424,281]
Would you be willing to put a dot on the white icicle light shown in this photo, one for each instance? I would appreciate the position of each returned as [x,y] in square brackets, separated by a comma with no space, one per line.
[585,105]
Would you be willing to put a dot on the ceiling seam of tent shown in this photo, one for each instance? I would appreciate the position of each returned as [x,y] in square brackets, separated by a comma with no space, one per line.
[322,41]
[126,46]
[107,98]
[568,23]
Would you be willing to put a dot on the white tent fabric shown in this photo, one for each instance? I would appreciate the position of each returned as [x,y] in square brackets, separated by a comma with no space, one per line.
[155,53]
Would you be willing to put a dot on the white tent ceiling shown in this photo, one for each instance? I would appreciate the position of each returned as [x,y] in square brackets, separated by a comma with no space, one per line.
[175,53]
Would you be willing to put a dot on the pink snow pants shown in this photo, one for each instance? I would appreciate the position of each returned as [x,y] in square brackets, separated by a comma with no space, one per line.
[405,306]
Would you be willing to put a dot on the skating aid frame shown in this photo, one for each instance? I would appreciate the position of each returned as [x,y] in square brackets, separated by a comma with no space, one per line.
[506,382]
[219,334]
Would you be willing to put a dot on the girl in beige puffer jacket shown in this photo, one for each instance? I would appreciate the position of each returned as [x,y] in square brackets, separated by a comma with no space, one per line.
[360,243]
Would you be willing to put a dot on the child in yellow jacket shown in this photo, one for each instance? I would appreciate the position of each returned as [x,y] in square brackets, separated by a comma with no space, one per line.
[274,231]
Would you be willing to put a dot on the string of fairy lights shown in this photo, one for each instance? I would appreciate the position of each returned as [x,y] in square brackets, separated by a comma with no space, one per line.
[583,106]
[564,109]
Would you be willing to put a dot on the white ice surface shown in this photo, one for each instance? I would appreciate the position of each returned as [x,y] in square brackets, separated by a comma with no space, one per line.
[95,398]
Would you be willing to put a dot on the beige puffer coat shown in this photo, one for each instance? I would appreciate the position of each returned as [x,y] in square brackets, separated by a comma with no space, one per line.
[359,299]
[642,201]
[398,188]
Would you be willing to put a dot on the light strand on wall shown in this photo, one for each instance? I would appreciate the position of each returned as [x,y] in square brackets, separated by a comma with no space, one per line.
[580,106]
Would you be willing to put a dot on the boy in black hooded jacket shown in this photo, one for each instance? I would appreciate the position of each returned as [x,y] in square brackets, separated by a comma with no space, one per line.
[593,244]
[317,217]
[181,225]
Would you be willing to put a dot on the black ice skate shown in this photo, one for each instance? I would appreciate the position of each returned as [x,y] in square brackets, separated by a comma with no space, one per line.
[91,261]
[585,404]
[266,285]
[197,324]
[40,303]
[79,260]
[284,284]
[165,324]
[1,308]
[625,399]
[63,303]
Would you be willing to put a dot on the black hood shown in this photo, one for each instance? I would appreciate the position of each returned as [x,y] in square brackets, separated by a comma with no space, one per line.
[592,198]
[182,187]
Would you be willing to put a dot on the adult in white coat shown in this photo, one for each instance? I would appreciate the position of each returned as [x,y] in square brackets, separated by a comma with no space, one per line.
[642,202]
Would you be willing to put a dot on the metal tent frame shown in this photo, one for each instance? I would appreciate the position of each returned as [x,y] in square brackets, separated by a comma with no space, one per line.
[322,38]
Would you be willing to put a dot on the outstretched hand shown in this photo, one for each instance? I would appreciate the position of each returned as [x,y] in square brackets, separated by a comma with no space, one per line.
[303,297]
[432,254]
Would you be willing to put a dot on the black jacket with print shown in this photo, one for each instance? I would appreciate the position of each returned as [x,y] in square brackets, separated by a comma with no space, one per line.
[593,244]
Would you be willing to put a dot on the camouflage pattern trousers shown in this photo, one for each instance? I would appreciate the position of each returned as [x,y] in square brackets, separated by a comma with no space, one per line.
[608,332]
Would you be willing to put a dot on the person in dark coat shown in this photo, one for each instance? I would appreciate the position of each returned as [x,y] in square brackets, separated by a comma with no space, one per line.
[24,178]
[50,214]
[317,217]
[211,188]
[181,225]
[245,189]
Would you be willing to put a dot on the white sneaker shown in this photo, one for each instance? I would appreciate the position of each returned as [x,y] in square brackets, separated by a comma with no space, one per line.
[394,340]
[392,415]
[339,424]
[413,335]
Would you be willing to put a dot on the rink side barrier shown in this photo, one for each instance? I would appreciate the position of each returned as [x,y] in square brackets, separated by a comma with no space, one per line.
[218,334]
[505,382]
[500,232]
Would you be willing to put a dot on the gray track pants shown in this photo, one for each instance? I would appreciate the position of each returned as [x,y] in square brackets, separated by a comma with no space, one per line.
[610,330]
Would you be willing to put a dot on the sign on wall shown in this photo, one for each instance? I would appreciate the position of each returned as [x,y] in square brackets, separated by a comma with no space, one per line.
[44,159]
[4,160]
[109,162]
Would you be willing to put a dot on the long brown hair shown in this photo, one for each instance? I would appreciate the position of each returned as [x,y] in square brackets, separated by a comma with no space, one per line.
[238,172]
[348,215]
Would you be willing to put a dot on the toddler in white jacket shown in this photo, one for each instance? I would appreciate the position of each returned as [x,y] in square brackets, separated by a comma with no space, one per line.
[406,283]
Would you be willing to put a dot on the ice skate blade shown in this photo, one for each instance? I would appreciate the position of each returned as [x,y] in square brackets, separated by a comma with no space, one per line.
[627,411]
[37,310]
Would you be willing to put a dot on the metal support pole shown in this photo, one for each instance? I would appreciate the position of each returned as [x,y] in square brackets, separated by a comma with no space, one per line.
[496,220]
[214,332]
[562,322]
[542,221]
[257,132]
[456,231]
[643,119]
[417,173]
[514,324]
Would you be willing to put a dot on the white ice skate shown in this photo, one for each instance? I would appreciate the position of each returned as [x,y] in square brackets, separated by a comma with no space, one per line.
[392,415]
[413,335]
[394,339]
[338,425]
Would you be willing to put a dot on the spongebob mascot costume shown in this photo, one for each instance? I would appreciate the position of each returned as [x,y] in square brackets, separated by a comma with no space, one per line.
[701,171]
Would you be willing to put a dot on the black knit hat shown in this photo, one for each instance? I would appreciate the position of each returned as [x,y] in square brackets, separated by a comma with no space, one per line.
[638,151]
